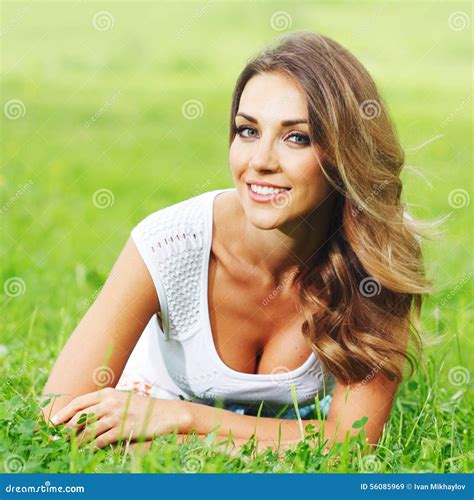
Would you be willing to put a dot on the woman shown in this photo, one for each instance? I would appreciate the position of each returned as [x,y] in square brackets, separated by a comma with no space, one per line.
[302,278]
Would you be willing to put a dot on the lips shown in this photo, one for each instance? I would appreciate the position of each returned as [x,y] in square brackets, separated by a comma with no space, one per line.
[265,198]
[266,184]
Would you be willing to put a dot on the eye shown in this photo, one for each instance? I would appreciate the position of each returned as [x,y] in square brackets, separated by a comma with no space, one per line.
[242,128]
[301,139]
[305,140]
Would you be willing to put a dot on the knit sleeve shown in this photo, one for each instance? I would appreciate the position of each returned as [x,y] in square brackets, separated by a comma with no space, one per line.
[171,244]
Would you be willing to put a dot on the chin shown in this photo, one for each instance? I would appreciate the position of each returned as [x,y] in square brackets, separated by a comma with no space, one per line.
[264,221]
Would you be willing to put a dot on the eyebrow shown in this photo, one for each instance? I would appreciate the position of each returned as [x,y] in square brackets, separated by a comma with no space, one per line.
[285,123]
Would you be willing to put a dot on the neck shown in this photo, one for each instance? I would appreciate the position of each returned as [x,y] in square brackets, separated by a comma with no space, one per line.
[281,253]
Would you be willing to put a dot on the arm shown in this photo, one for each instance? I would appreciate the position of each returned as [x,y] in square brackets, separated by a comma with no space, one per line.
[98,349]
[349,403]
[117,420]
[373,399]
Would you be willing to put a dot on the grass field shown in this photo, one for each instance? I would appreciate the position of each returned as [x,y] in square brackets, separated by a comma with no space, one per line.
[97,102]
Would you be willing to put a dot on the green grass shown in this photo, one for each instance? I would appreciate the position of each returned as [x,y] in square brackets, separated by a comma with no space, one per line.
[142,149]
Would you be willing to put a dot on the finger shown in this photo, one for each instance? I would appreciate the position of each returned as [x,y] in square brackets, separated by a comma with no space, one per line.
[91,414]
[94,430]
[111,436]
[77,404]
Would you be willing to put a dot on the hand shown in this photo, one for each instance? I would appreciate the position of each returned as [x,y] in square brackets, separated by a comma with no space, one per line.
[118,415]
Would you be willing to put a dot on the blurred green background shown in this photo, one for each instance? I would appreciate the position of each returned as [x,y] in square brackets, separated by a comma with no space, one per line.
[134,98]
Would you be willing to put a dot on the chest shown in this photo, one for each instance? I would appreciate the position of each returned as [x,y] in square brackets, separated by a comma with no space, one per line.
[256,328]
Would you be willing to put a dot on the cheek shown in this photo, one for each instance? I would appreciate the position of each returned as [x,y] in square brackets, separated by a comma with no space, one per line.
[235,154]
[237,159]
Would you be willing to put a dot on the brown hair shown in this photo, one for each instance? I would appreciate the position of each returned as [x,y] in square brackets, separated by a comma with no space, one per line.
[368,282]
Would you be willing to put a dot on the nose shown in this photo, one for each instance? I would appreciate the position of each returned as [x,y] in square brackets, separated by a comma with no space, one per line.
[263,156]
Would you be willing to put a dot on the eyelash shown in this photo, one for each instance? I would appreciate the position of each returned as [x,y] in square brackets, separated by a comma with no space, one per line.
[239,130]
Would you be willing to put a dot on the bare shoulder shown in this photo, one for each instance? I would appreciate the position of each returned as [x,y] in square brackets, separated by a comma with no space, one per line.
[227,215]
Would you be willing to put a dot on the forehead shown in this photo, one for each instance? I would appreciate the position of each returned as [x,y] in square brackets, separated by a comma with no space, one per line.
[273,96]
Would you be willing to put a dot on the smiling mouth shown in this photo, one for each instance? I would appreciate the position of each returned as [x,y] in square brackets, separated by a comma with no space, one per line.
[264,193]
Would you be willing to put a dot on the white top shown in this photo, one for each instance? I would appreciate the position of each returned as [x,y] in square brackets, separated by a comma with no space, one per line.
[179,355]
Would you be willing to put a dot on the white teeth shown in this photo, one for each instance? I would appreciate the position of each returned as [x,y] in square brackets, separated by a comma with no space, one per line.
[266,189]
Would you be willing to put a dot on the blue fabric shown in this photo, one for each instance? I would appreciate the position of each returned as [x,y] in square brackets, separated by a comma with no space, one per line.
[306,412]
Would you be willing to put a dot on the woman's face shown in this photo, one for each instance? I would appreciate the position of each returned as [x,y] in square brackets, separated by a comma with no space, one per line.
[268,150]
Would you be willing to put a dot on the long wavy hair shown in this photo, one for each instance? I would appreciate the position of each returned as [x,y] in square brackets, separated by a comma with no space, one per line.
[361,294]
